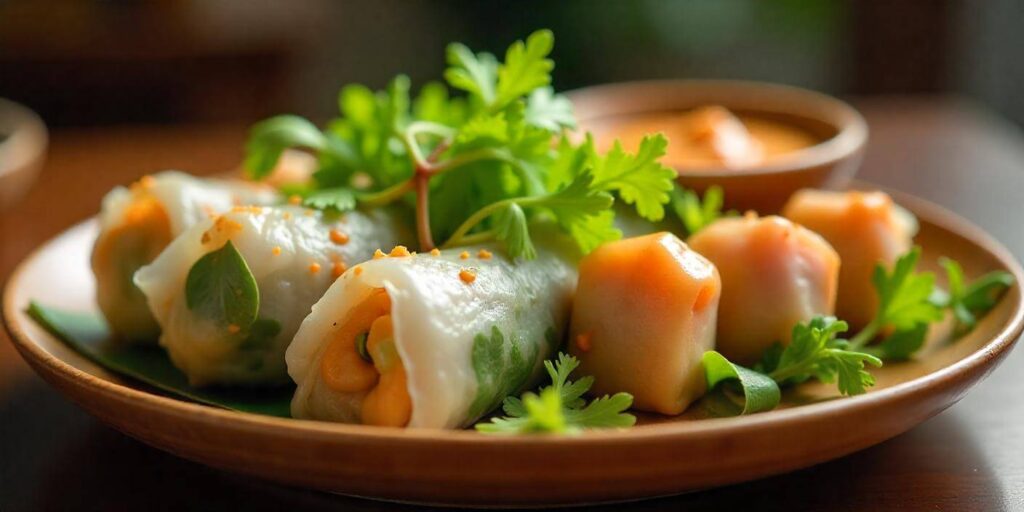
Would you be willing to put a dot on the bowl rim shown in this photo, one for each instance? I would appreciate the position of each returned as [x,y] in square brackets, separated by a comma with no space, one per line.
[851,128]
[23,127]
[13,316]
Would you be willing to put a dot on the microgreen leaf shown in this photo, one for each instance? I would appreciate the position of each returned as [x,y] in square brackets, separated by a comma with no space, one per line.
[560,407]
[471,72]
[734,390]
[221,288]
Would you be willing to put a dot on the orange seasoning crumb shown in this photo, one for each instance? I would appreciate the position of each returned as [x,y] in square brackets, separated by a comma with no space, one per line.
[309,213]
[583,342]
[314,267]
[338,237]
[294,199]
[467,276]
[358,270]
[147,181]
[286,215]
[234,329]
[337,269]
[484,254]
[378,254]
[399,251]
[435,252]
[464,255]
[276,250]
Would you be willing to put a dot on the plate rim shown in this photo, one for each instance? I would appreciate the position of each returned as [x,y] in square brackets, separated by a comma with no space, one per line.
[999,345]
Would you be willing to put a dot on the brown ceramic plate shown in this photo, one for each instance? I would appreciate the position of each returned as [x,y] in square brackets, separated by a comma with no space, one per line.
[662,456]
[604,109]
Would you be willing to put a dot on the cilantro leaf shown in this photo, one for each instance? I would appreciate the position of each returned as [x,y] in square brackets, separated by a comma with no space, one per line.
[560,407]
[548,110]
[815,352]
[220,287]
[904,299]
[900,345]
[641,179]
[696,213]
[269,138]
[526,68]
[511,228]
[338,199]
[969,301]
[475,73]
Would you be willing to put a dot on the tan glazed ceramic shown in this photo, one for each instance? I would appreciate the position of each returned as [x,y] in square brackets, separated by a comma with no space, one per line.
[661,456]
[832,163]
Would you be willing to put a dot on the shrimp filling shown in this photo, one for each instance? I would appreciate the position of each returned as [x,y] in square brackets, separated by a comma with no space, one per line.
[350,364]
[143,233]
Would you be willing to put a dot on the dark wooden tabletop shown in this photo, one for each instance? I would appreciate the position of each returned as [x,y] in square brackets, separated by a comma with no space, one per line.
[53,456]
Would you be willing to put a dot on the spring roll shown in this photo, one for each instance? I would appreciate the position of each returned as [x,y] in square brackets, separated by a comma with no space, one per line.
[644,314]
[865,228]
[775,275]
[138,222]
[292,254]
[431,340]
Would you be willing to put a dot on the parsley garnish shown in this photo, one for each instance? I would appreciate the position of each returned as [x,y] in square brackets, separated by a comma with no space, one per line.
[560,407]
[968,301]
[695,212]
[476,168]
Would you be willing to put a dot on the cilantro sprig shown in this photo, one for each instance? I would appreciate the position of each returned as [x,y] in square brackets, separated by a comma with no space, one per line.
[560,407]
[479,167]
[966,300]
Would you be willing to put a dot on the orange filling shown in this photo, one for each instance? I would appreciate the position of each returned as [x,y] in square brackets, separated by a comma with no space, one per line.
[344,366]
[138,240]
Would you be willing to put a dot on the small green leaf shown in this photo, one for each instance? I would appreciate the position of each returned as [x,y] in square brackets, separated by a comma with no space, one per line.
[640,179]
[338,200]
[526,68]
[969,301]
[695,213]
[734,390]
[550,111]
[474,73]
[511,227]
[560,407]
[900,345]
[221,288]
[269,138]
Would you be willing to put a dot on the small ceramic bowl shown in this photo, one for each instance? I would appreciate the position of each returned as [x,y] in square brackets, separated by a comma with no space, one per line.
[22,150]
[831,163]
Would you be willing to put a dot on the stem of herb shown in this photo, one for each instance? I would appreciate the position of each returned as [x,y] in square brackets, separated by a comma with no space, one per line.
[479,216]
[388,195]
[426,240]
[865,335]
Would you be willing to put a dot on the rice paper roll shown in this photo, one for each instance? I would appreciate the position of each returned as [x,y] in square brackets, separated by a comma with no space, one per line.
[644,314]
[430,340]
[866,229]
[775,274]
[138,222]
[292,254]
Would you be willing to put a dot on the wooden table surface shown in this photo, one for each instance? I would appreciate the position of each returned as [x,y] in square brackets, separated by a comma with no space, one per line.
[53,456]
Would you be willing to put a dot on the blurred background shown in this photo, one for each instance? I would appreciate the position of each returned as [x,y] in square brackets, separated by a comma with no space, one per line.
[91,62]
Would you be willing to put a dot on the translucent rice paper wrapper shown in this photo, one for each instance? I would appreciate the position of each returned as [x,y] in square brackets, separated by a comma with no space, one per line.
[293,257]
[465,346]
[138,222]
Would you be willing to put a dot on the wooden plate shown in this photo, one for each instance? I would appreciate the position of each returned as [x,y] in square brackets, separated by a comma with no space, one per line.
[662,456]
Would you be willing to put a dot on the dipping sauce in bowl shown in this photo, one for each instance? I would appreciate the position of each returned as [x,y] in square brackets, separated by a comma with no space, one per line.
[760,142]
[713,136]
